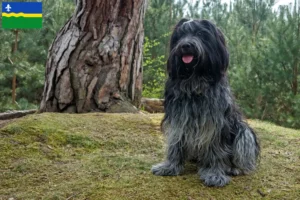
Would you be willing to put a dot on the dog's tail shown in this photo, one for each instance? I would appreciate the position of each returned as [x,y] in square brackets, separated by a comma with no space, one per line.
[245,149]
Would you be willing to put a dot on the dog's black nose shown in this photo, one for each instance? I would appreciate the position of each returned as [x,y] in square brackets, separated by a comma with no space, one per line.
[186,46]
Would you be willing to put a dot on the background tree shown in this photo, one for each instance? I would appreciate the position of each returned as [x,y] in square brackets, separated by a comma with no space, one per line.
[30,57]
[95,62]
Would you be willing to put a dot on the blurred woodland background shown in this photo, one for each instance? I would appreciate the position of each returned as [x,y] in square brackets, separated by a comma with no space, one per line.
[264,45]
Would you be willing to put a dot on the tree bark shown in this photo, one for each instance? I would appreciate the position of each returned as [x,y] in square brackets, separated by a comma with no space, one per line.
[14,80]
[95,62]
[295,77]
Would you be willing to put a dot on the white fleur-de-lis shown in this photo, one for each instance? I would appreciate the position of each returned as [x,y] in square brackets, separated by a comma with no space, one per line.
[8,8]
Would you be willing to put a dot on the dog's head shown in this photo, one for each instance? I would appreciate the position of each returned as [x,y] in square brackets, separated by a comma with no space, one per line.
[197,48]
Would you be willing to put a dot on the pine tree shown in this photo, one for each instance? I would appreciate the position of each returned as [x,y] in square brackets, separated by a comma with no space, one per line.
[95,62]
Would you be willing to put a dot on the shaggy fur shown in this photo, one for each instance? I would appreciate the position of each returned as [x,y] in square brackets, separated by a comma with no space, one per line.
[202,122]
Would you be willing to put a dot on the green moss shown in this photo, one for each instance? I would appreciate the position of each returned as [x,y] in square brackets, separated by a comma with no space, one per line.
[81,141]
[109,156]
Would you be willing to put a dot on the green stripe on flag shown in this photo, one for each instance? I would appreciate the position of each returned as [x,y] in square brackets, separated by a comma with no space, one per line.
[21,22]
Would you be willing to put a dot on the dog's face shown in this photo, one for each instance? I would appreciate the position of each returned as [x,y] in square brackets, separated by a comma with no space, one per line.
[197,48]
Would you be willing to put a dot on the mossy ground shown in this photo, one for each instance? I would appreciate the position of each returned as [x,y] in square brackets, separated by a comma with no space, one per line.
[109,156]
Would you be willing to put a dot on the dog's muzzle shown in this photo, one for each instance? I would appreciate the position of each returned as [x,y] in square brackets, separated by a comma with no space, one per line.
[189,49]
[187,53]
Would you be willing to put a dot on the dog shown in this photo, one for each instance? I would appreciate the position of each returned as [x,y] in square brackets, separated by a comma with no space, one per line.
[202,123]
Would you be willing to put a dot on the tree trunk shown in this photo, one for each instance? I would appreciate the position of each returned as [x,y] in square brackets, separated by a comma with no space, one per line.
[295,78]
[14,80]
[95,62]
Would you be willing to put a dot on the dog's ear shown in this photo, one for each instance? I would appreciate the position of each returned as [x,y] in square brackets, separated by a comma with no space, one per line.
[223,49]
[175,35]
[173,41]
[220,51]
[213,29]
[221,44]
[171,70]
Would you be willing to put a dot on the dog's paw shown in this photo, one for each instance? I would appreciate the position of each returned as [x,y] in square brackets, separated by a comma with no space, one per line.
[234,172]
[215,180]
[166,169]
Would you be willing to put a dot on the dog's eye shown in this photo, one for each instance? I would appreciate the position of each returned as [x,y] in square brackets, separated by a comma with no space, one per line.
[199,33]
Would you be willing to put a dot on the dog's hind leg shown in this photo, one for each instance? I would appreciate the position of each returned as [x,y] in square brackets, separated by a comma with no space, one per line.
[174,163]
[245,149]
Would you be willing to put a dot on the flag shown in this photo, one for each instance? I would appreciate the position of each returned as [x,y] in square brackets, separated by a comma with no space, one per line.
[22,15]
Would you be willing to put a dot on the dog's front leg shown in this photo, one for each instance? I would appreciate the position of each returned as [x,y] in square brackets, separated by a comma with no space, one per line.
[174,163]
[214,176]
[213,169]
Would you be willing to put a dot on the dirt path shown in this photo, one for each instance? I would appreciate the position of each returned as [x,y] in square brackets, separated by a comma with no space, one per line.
[5,122]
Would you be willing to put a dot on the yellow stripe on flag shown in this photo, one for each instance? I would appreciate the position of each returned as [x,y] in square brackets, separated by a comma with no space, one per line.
[21,15]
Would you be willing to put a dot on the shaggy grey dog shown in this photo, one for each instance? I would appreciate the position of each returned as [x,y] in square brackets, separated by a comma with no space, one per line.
[202,122]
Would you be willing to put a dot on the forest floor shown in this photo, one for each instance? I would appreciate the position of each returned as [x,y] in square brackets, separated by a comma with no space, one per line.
[109,156]
[5,122]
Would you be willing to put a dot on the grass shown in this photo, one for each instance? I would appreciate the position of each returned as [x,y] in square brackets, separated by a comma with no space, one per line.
[109,156]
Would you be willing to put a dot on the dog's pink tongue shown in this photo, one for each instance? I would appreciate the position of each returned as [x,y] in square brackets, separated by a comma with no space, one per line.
[187,59]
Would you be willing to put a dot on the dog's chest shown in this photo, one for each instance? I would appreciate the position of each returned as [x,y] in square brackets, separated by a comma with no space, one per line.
[194,124]
[198,139]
